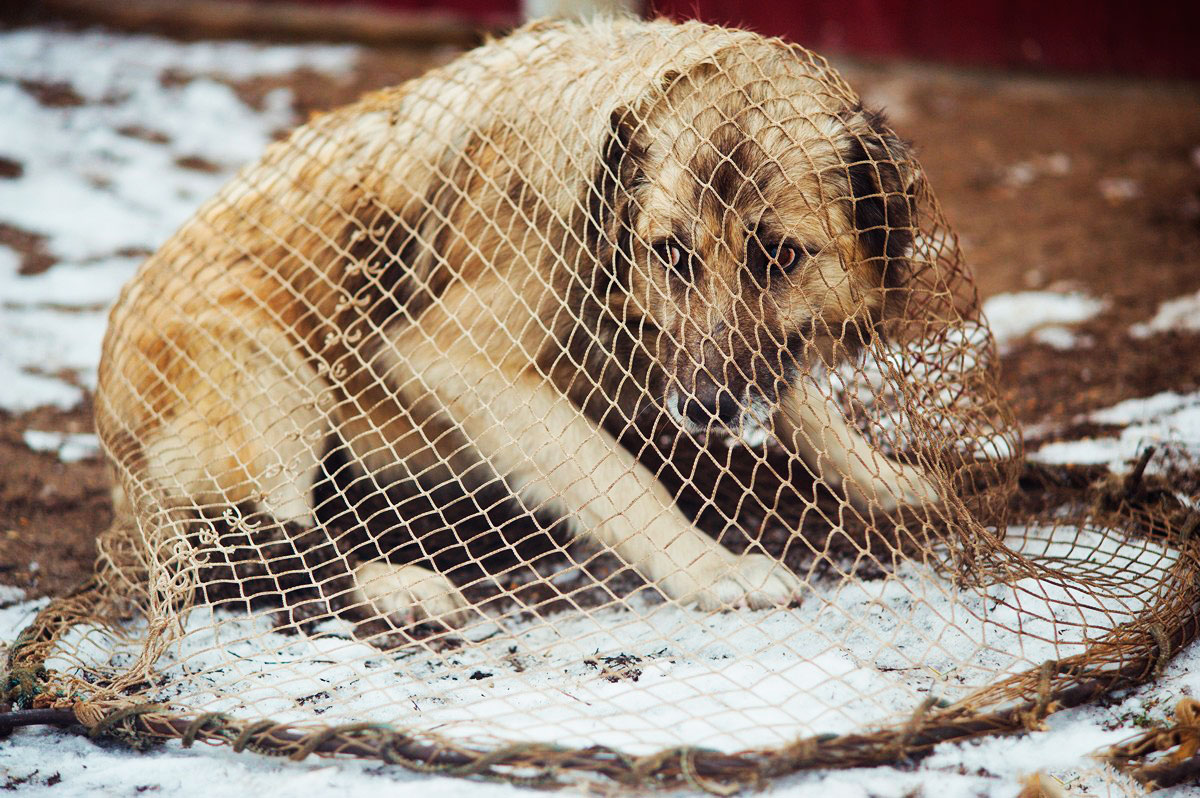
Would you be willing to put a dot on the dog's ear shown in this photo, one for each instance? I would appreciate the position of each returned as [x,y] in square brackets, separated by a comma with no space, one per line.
[617,173]
[620,171]
[624,151]
[609,197]
[882,178]
[612,194]
[623,155]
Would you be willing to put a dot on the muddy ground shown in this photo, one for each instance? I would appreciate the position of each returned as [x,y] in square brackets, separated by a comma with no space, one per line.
[1051,182]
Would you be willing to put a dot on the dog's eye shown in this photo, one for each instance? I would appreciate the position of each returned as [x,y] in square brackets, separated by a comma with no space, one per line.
[780,256]
[783,255]
[673,255]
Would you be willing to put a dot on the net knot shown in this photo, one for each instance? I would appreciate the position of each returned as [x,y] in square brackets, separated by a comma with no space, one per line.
[254,738]
[123,725]
[210,721]
[1180,742]
[313,742]
[23,685]
[914,725]
[659,767]
[1034,718]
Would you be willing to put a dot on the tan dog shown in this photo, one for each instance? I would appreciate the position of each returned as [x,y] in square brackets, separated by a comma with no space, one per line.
[486,273]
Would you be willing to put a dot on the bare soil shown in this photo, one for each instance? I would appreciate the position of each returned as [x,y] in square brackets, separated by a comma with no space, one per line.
[1050,182]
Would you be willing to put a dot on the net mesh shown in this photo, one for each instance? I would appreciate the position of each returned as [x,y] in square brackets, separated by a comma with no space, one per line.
[612,400]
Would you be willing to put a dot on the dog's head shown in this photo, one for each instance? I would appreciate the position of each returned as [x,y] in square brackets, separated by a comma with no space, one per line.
[760,222]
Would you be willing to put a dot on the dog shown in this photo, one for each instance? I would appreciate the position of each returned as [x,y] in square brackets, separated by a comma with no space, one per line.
[483,276]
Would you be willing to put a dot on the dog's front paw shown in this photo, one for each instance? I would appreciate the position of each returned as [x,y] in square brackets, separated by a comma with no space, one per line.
[892,486]
[409,594]
[723,581]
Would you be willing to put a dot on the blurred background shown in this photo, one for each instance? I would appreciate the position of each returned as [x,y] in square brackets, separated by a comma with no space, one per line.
[1084,36]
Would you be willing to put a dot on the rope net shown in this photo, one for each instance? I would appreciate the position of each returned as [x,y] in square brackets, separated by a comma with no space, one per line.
[613,399]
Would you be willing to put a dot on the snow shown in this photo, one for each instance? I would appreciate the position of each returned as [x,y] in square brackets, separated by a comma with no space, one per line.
[927,374]
[1057,336]
[668,703]
[863,651]
[103,183]
[1167,418]
[1023,173]
[1013,316]
[1119,189]
[10,595]
[1174,314]
[70,447]
[88,769]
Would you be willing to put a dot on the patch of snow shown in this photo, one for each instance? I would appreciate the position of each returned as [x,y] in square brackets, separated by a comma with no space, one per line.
[107,181]
[929,374]
[1059,337]
[21,390]
[1119,189]
[1166,417]
[1022,173]
[1019,174]
[1174,314]
[113,60]
[1058,164]
[1141,411]
[1013,316]
[70,447]
[79,766]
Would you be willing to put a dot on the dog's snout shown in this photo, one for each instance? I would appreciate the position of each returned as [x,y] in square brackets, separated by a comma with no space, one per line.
[709,402]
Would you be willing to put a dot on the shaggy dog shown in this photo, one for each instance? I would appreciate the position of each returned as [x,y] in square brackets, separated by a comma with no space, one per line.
[482,276]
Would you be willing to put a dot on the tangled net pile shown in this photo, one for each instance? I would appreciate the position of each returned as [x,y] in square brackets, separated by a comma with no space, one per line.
[612,400]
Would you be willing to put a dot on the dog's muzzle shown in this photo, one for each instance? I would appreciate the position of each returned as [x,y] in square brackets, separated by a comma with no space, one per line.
[714,408]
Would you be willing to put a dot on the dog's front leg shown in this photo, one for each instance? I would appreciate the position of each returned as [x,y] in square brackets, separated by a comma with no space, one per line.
[812,426]
[555,456]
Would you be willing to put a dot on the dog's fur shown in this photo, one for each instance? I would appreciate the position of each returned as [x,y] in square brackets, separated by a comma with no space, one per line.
[486,273]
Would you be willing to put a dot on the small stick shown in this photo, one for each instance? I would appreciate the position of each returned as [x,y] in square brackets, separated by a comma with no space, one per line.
[35,717]
[1134,480]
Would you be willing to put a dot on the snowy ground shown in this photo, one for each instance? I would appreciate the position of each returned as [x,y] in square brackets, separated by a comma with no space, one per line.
[105,180]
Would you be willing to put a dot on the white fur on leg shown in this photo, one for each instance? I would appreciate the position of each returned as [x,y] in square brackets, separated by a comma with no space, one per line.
[720,579]
[813,427]
[410,594]
[891,485]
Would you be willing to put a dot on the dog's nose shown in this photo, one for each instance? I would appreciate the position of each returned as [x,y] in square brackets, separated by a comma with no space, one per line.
[710,402]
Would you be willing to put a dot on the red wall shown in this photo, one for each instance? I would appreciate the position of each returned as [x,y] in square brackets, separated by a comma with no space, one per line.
[1101,36]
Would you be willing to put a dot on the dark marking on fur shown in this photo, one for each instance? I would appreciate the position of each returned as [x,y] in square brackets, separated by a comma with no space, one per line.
[721,169]
[881,206]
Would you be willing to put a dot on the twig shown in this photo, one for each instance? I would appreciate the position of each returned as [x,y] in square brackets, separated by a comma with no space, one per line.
[1134,480]
[35,717]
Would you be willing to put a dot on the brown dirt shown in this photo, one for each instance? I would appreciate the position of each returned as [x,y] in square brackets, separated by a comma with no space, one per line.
[1055,183]
[49,511]
[30,246]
